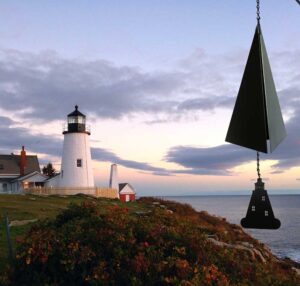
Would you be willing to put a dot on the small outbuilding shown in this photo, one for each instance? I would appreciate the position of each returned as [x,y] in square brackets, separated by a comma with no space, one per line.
[126,192]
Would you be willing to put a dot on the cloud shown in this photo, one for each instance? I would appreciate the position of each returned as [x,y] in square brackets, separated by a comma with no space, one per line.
[108,156]
[222,158]
[163,173]
[38,82]
[202,171]
[12,138]
[15,137]
[206,103]
[217,160]
[287,153]
[208,161]
[32,85]
[5,121]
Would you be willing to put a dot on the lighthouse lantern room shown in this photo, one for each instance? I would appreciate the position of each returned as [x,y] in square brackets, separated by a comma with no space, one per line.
[76,164]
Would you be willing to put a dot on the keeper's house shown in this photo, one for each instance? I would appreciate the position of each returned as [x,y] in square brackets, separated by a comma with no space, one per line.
[20,172]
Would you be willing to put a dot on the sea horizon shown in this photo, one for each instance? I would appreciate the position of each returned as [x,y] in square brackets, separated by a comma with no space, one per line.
[224,193]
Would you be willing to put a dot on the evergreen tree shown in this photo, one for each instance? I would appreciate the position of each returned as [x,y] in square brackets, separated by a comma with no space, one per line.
[49,170]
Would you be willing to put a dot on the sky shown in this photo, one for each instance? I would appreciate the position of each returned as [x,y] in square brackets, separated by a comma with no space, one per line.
[157,81]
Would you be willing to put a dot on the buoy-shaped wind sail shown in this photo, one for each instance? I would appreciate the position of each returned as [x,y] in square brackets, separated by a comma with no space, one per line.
[257,123]
[257,117]
[260,213]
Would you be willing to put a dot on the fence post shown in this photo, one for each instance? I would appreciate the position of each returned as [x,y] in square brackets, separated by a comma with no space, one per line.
[9,245]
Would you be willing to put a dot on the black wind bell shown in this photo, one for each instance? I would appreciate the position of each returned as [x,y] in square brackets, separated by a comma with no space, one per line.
[257,123]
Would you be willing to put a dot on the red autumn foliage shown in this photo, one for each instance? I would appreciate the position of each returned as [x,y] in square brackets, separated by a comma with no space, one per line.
[86,245]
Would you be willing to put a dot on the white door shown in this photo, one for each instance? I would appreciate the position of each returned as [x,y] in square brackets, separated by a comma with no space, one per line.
[127,198]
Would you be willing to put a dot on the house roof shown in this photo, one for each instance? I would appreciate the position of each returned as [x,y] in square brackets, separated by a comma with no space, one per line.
[21,178]
[10,164]
[54,176]
[6,180]
[123,185]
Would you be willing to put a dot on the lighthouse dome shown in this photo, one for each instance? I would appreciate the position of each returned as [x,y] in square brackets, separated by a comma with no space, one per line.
[76,122]
[76,112]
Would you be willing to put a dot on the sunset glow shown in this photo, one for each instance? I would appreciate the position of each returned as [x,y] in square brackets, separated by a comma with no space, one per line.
[157,82]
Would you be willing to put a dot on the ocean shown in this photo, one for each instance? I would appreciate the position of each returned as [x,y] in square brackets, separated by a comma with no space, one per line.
[284,242]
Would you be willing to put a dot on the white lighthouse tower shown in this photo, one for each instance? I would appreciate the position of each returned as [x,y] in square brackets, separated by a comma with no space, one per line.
[76,165]
[113,179]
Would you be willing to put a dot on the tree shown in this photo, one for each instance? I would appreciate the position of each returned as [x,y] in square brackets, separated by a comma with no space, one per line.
[49,170]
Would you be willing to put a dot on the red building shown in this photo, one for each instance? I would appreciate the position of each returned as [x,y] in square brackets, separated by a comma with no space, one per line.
[126,192]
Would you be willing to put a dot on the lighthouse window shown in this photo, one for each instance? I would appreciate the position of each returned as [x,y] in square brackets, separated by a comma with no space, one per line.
[71,120]
[79,163]
[253,208]
[263,198]
[76,119]
[266,213]
[80,120]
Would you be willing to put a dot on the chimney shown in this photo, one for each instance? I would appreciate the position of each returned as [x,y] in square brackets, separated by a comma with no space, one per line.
[22,161]
[113,180]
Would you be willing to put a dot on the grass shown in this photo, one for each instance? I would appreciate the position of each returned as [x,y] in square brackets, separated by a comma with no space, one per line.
[25,207]
[28,207]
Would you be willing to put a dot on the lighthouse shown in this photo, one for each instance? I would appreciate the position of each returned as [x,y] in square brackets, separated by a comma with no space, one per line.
[113,179]
[76,163]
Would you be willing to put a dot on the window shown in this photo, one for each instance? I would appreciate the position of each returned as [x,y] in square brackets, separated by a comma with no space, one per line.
[25,185]
[1,167]
[266,213]
[263,198]
[80,120]
[71,120]
[253,208]
[76,119]
[79,163]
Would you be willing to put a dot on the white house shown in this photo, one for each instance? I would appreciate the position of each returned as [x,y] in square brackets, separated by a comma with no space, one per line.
[19,171]
[32,180]
[52,182]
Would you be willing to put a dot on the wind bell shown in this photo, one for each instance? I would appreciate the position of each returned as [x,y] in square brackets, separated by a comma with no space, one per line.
[257,123]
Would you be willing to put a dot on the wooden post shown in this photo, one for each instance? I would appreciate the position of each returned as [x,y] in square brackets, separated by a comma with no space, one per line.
[9,245]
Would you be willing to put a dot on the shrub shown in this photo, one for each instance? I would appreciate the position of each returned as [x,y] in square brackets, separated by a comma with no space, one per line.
[84,246]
